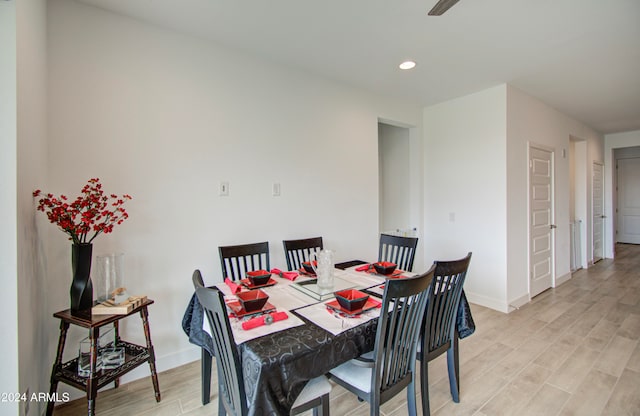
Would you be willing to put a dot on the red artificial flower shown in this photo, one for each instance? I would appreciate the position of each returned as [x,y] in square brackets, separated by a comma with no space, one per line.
[92,211]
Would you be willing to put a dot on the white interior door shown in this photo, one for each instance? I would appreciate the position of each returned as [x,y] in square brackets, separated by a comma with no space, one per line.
[541,215]
[628,201]
[598,211]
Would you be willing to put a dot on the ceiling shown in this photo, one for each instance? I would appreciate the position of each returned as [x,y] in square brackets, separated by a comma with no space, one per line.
[581,57]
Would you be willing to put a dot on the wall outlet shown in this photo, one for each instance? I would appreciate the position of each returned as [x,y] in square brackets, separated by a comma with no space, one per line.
[275,189]
[224,188]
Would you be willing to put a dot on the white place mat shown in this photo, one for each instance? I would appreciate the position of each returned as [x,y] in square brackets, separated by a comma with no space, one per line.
[240,335]
[332,322]
[363,279]
[378,290]
[281,295]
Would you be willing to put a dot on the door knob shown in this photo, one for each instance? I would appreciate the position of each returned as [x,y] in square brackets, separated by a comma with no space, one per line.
[553,226]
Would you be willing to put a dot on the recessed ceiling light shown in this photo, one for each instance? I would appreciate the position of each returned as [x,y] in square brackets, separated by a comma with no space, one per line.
[407,65]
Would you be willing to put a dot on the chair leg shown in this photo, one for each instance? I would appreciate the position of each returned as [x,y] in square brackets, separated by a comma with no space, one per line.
[374,405]
[424,386]
[205,370]
[411,399]
[221,410]
[454,370]
[323,407]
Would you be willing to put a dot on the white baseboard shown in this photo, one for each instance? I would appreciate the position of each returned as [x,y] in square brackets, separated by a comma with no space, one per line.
[164,363]
[487,302]
[562,279]
[519,302]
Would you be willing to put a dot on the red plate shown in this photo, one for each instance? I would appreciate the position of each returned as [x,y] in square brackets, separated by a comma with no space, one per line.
[303,272]
[249,285]
[371,304]
[396,273]
[238,311]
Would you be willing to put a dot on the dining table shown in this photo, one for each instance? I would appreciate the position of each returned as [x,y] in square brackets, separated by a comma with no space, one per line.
[278,359]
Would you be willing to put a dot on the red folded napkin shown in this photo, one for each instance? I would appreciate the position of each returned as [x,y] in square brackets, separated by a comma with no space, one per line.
[375,302]
[363,268]
[235,288]
[260,320]
[286,275]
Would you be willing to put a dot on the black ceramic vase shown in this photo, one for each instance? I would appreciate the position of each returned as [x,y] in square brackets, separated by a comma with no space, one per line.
[81,286]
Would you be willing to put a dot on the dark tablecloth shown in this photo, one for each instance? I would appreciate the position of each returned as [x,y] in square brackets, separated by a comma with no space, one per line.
[276,367]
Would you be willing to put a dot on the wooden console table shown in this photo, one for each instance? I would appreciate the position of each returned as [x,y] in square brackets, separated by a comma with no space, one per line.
[135,355]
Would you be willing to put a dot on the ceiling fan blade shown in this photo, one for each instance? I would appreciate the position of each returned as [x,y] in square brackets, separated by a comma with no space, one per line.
[441,7]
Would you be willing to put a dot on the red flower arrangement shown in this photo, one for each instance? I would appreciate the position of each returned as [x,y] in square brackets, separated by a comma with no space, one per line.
[91,212]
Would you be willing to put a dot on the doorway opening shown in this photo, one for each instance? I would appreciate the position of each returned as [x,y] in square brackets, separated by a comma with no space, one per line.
[394,179]
[578,203]
[627,177]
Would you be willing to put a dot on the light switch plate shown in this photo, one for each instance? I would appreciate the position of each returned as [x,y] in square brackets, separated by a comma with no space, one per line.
[224,188]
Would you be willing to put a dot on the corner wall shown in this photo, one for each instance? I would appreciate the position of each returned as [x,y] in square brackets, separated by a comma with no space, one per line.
[36,357]
[532,121]
[476,187]
[8,231]
[465,195]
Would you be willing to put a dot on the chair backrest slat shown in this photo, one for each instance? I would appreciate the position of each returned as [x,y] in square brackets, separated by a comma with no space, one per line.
[298,251]
[224,346]
[236,261]
[444,298]
[398,331]
[398,250]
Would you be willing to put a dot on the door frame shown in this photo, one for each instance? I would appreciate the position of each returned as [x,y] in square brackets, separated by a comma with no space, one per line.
[551,150]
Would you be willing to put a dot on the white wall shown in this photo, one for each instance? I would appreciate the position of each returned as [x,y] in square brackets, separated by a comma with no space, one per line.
[531,121]
[165,117]
[36,357]
[465,190]
[8,232]
[612,142]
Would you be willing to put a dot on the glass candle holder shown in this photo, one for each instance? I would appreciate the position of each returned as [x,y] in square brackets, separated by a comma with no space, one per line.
[105,340]
[109,275]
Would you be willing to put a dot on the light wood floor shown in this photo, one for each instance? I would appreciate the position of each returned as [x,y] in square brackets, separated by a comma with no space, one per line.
[573,350]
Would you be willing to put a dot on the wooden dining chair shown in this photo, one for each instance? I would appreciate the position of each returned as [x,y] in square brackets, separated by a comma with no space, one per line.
[232,396]
[439,326]
[379,376]
[206,360]
[236,261]
[398,250]
[298,251]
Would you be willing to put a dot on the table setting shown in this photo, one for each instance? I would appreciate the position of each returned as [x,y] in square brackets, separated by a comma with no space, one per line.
[301,319]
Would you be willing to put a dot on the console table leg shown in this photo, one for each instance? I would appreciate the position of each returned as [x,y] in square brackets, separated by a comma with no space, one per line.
[54,381]
[152,356]
[92,382]
[116,342]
